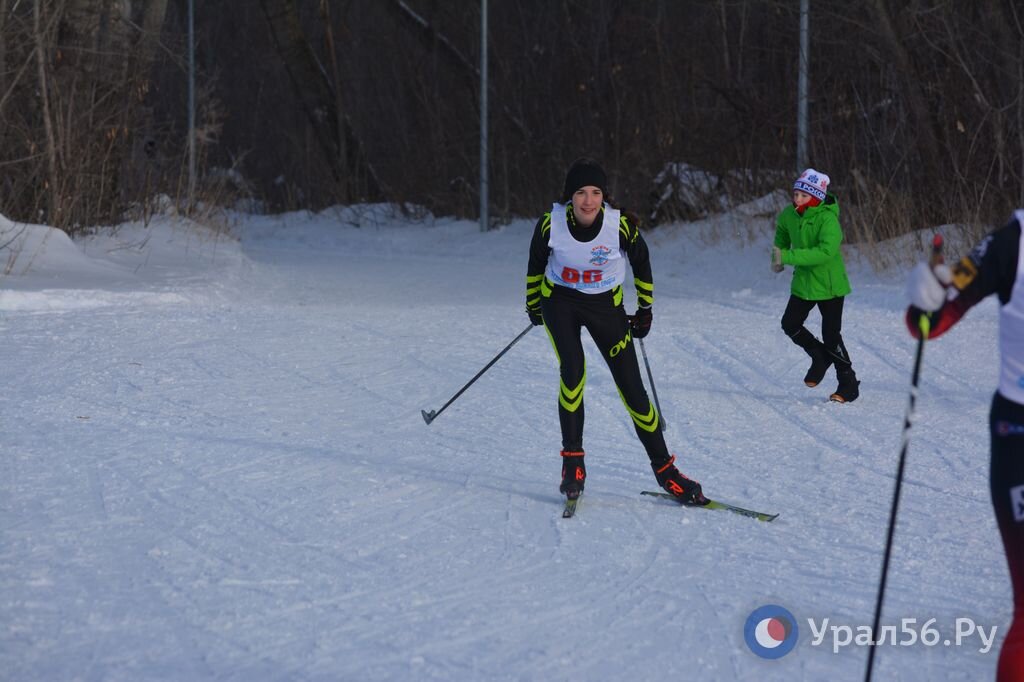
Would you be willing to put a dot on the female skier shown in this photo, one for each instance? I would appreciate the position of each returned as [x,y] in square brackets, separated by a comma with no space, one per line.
[574,280]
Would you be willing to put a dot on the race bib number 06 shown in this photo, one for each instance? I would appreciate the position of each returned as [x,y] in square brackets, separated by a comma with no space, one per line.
[573,276]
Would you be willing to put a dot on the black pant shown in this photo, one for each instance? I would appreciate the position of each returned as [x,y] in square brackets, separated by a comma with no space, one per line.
[566,313]
[1006,483]
[831,310]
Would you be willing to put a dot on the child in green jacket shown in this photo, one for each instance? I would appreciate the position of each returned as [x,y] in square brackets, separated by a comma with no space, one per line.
[808,236]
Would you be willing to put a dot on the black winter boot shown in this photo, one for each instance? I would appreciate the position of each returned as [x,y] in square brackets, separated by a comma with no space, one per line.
[686,490]
[848,389]
[574,473]
[821,360]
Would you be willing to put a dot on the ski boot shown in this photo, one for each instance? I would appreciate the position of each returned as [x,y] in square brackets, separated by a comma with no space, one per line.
[574,473]
[685,490]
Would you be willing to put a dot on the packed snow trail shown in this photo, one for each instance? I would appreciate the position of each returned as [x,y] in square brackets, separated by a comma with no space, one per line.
[215,468]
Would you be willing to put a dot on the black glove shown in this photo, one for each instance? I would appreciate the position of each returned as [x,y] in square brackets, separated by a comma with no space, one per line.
[535,317]
[640,323]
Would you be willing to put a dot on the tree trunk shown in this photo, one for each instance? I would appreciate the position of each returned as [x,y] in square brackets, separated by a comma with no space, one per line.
[307,77]
[3,52]
[44,93]
[339,116]
[469,70]
[312,86]
[910,81]
[152,26]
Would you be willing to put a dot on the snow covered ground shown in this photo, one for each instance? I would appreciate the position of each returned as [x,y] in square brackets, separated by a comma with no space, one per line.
[214,465]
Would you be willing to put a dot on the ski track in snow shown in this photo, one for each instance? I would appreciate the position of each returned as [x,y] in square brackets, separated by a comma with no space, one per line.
[221,472]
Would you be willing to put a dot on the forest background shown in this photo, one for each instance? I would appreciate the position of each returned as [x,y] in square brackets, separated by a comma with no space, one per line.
[916,108]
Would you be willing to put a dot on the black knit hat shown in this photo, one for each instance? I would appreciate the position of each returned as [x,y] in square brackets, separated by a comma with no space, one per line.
[583,172]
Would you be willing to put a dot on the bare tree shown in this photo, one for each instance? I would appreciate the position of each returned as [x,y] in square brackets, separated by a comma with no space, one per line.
[917,109]
[321,102]
[53,185]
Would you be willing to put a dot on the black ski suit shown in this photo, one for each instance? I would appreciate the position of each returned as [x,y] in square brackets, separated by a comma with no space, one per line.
[567,311]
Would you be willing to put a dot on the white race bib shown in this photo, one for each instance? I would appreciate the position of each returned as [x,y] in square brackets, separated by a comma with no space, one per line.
[591,267]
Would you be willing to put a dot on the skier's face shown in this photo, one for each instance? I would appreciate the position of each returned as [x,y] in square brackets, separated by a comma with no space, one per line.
[800,198]
[586,202]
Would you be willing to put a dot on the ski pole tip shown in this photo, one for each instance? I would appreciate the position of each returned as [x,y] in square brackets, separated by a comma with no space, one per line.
[428,416]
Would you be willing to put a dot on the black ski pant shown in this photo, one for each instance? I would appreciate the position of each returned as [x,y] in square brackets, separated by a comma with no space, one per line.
[831,311]
[1006,482]
[565,316]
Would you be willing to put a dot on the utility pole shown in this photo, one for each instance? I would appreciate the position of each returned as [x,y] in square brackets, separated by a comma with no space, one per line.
[801,108]
[484,217]
[191,106]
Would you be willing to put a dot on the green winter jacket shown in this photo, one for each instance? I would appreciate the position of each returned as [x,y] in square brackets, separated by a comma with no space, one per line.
[810,243]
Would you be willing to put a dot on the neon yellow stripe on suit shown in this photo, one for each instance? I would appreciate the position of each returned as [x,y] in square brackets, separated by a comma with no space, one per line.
[571,399]
[644,292]
[533,289]
[624,229]
[552,340]
[568,398]
[545,287]
[647,422]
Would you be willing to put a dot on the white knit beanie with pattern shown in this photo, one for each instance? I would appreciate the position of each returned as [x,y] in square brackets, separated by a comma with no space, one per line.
[813,182]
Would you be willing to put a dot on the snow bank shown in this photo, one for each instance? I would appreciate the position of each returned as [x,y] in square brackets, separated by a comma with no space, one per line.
[43,269]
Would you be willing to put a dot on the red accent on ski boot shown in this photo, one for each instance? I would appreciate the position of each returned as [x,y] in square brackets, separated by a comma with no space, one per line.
[684,489]
[574,473]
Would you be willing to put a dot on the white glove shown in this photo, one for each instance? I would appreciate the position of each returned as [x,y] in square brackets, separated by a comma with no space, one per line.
[777,265]
[926,286]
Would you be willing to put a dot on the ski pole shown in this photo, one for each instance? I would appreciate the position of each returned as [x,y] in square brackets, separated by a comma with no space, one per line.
[432,415]
[650,378]
[924,327]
